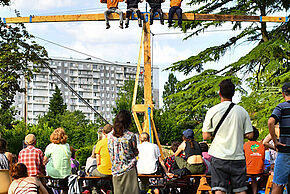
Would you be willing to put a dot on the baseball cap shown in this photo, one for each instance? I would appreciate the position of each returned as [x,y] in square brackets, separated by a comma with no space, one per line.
[30,139]
[188,133]
[286,87]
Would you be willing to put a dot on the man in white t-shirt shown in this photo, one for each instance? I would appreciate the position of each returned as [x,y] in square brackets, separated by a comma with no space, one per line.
[148,158]
[228,160]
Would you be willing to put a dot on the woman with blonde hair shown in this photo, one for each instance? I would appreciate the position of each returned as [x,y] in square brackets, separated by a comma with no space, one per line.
[23,183]
[57,155]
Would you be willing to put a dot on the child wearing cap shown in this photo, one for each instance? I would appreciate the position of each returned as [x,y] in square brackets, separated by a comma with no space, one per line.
[193,161]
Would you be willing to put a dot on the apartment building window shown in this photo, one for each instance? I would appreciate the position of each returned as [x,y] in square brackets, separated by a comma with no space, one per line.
[59,71]
[95,87]
[108,109]
[113,95]
[112,88]
[65,64]
[107,81]
[107,68]
[95,80]
[81,93]
[71,65]
[112,81]
[112,75]
[81,66]
[107,88]
[102,74]
[108,95]
[107,74]
[95,94]
[102,67]
[101,87]
[95,66]
[95,101]
[102,81]
[103,95]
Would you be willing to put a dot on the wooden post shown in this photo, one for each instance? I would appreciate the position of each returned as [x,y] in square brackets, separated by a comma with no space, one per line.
[147,69]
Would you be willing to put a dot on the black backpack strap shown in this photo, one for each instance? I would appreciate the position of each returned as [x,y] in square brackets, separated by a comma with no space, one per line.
[223,118]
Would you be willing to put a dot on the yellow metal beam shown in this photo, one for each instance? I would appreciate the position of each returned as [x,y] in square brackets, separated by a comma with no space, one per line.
[114,16]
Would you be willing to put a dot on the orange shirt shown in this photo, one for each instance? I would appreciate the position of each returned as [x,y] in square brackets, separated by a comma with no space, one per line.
[175,3]
[113,3]
[255,156]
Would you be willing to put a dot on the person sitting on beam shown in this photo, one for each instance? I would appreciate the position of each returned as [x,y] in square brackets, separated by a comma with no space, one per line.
[112,6]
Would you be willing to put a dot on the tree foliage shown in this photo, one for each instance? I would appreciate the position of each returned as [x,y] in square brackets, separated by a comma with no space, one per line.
[17,51]
[56,104]
[260,72]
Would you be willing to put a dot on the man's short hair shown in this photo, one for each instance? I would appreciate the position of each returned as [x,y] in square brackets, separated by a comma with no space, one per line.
[286,88]
[227,88]
[107,128]
[144,137]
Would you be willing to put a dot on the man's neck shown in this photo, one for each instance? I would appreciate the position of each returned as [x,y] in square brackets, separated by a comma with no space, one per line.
[226,99]
[287,98]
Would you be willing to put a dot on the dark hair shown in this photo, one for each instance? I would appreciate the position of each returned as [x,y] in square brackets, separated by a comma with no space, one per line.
[122,123]
[19,170]
[174,146]
[190,140]
[144,136]
[73,152]
[227,88]
[3,145]
[256,134]
[203,146]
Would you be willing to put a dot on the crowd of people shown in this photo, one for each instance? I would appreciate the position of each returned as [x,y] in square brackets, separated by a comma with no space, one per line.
[231,162]
[132,7]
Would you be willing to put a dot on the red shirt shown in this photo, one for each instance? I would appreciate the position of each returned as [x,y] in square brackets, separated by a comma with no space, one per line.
[33,159]
[255,156]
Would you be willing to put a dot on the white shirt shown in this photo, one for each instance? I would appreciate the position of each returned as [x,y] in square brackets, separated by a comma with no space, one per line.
[148,156]
[229,140]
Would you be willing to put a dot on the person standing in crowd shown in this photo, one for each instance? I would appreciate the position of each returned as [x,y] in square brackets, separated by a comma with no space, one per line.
[170,160]
[148,159]
[155,6]
[281,115]
[227,146]
[104,164]
[57,157]
[23,183]
[205,156]
[112,6]
[193,161]
[132,6]
[123,150]
[175,7]
[255,157]
[32,157]
[5,157]
[74,163]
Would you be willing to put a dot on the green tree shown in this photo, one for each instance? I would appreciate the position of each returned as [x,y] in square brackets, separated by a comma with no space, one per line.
[266,66]
[56,104]
[4,2]
[18,50]
[169,89]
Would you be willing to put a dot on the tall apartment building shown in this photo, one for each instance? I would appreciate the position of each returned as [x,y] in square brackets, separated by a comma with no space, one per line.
[97,82]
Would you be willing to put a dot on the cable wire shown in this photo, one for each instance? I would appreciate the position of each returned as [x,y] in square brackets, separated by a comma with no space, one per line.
[74,92]
[110,62]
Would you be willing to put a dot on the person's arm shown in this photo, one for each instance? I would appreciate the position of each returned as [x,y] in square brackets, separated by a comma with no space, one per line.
[9,157]
[207,135]
[98,159]
[42,189]
[271,126]
[249,135]
[170,175]
[45,160]
[266,141]
[180,148]
[134,146]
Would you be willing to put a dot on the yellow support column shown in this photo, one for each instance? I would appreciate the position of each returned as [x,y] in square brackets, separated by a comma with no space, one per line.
[147,69]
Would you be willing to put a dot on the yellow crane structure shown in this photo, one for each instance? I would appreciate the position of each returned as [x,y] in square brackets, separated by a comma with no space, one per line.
[148,106]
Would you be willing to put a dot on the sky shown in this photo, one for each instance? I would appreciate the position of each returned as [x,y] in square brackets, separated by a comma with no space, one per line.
[117,44]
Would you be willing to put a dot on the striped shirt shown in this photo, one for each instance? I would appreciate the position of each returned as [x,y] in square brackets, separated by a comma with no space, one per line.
[281,114]
[4,163]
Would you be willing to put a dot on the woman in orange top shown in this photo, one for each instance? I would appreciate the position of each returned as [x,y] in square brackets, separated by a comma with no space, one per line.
[175,7]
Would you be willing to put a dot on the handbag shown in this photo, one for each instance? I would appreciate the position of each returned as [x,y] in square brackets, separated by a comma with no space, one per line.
[222,119]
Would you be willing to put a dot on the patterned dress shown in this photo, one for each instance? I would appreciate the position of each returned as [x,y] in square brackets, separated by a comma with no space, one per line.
[122,151]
